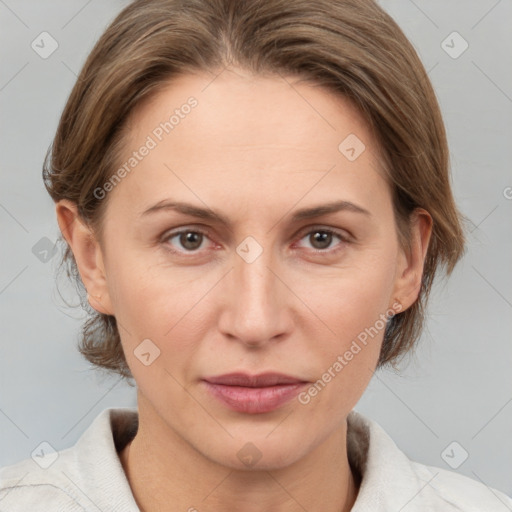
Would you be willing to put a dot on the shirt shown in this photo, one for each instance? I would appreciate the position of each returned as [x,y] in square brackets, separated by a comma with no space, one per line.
[89,475]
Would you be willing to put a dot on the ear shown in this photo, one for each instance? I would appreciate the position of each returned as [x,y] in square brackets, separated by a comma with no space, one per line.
[412,259]
[87,253]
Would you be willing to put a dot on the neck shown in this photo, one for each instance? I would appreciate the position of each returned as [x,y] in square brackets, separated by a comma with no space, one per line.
[166,473]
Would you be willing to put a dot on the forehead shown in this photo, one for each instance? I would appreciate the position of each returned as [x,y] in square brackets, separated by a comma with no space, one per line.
[233,130]
[234,109]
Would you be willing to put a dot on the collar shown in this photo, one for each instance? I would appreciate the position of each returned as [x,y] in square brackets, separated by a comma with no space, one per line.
[91,472]
[389,479]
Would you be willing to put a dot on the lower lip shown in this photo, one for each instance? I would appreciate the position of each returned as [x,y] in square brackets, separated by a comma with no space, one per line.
[254,400]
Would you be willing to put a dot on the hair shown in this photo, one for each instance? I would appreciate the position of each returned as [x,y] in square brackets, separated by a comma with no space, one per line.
[351,47]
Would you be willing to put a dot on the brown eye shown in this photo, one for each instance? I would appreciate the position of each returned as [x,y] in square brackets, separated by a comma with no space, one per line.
[185,240]
[323,240]
[191,240]
[320,239]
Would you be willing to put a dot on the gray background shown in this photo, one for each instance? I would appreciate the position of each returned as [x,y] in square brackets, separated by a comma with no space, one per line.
[457,388]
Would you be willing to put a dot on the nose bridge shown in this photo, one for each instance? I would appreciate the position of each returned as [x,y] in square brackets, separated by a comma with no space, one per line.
[256,308]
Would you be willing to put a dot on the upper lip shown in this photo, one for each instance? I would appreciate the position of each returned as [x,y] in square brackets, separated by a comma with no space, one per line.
[253,381]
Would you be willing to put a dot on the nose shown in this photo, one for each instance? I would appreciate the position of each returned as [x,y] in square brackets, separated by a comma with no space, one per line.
[257,309]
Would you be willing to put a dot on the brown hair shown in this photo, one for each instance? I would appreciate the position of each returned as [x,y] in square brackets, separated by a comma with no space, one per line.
[351,47]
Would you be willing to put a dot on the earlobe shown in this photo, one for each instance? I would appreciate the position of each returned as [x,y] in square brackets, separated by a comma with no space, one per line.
[412,261]
[87,253]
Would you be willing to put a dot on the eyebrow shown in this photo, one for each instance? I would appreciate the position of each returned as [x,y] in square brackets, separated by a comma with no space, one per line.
[211,215]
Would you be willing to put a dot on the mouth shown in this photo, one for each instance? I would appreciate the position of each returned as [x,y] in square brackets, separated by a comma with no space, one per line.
[254,394]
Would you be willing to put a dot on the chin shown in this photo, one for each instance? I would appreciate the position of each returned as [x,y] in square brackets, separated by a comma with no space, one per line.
[258,453]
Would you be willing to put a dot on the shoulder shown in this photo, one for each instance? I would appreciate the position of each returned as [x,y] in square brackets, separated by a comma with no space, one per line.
[460,491]
[392,481]
[26,486]
[85,477]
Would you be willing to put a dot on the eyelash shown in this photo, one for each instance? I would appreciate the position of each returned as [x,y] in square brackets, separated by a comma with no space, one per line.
[343,239]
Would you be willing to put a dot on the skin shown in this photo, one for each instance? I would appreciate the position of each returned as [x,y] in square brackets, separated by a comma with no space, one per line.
[255,149]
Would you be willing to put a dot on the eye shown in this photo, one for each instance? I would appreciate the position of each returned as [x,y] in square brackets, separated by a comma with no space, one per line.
[192,241]
[186,240]
[321,239]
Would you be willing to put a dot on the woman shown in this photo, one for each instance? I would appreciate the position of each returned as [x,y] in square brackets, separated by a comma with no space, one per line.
[256,198]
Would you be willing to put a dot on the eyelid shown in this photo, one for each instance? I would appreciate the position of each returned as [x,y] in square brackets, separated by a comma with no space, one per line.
[183,229]
[342,233]
[344,237]
[196,228]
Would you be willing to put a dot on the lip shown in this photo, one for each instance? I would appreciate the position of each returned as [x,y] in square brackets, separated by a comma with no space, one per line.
[254,394]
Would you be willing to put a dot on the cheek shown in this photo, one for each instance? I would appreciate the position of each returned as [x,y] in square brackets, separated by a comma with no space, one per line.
[162,307]
[352,305]
[162,304]
[351,297]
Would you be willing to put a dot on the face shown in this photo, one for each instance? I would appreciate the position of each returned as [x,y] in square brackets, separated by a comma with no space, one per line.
[241,274]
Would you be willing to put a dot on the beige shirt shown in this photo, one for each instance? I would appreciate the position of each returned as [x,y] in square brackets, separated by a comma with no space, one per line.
[89,476]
